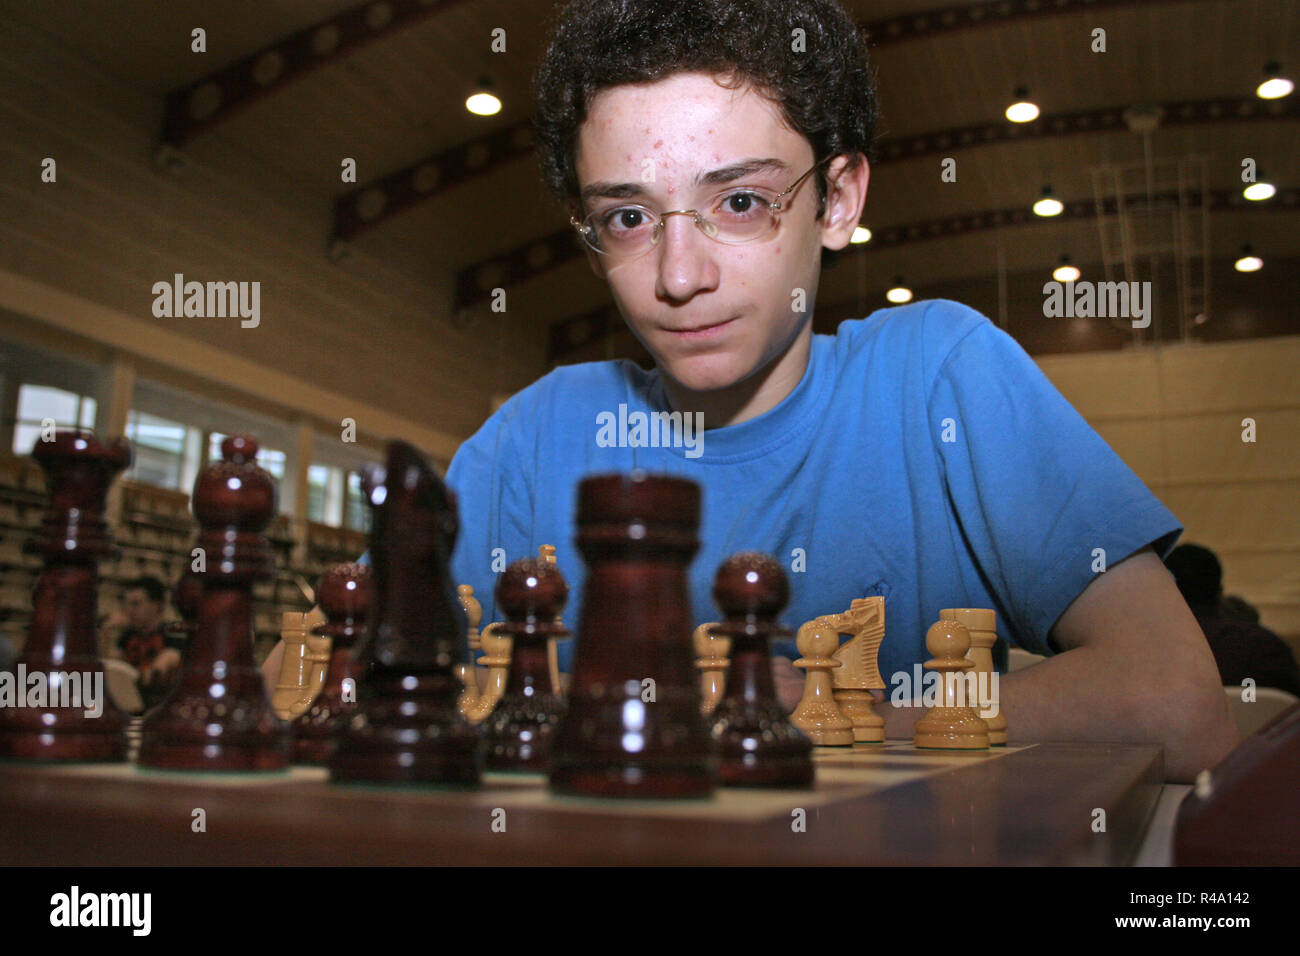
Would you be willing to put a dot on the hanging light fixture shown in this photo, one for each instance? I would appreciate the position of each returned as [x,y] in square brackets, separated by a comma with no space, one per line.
[1048,205]
[1259,190]
[861,234]
[1066,272]
[1023,109]
[483,102]
[1275,85]
[1248,261]
[899,293]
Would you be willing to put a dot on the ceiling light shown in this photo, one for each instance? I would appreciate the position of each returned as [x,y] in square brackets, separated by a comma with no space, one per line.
[1258,192]
[1022,110]
[899,293]
[861,234]
[1249,262]
[1066,272]
[1048,205]
[483,102]
[1275,86]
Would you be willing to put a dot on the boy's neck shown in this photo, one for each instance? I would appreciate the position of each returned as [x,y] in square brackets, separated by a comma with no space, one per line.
[761,392]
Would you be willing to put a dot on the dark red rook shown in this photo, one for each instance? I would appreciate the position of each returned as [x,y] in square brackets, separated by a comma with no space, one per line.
[406,728]
[61,646]
[217,717]
[519,731]
[758,745]
[344,594]
[633,726]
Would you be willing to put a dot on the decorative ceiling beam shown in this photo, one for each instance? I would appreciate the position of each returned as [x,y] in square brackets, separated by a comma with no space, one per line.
[216,97]
[578,332]
[551,251]
[966,16]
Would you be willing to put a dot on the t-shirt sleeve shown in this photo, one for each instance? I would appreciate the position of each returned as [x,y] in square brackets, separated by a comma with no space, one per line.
[1042,501]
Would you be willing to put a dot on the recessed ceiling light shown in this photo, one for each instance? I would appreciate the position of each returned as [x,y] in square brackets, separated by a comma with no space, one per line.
[1048,205]
[1249,262]
[1275,86]
[1023,110]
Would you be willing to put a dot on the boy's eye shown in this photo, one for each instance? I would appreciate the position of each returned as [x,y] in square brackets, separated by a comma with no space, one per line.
[623,218]
[742,204]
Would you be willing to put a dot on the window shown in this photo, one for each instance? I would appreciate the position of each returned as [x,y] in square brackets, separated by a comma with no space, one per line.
[159,450]
[325,494]
[37,403]
[358,512]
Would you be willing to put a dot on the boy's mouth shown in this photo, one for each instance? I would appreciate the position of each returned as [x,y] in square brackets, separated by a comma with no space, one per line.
[701,331]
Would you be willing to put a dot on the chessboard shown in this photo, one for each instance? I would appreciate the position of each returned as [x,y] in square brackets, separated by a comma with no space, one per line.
[891,804]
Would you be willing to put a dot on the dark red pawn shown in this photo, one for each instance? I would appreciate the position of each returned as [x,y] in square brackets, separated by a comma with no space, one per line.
[758,745]
[518,733]
[344,593]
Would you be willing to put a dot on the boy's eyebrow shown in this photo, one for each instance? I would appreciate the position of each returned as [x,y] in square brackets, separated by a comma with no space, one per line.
[723,174]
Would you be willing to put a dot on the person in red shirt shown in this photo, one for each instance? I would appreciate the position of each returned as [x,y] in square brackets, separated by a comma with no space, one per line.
[136,634]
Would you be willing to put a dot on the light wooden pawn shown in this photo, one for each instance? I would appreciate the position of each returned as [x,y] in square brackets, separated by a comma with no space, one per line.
[982,623]
[860,673]
[711,652]
[466,671]
[949,726]
[496,647]
[816,714]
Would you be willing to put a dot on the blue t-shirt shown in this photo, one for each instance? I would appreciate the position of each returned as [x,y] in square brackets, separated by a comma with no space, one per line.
[923,457]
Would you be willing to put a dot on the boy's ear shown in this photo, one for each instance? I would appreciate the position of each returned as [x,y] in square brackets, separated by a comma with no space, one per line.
[846,197]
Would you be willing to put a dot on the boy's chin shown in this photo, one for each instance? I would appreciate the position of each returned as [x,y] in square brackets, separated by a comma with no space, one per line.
[703,374]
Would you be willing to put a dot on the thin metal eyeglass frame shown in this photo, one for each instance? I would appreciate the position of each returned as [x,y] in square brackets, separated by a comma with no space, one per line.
[700,222]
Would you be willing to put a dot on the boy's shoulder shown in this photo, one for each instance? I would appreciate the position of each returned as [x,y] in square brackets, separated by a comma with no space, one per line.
[926,332]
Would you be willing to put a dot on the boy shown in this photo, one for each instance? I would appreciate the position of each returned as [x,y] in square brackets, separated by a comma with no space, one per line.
[710,162]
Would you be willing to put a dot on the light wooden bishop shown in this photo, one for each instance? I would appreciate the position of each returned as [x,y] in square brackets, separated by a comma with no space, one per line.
[547,553]
[467,671]
[496,656]
[816,714]
[860,673]
[949,726]
[982,623]
[711,652]
[306,659]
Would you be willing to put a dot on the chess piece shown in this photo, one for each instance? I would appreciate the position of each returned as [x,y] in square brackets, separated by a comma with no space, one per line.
[518,732]
[816,714]
[860,673]
[952,725]
[406,727]
[711,652]
[496,658]
[61,724]
[757,744]
[633,726]
[218,717]
[344,593]
[546,552]
[982,623]
[294,691]
[474,615]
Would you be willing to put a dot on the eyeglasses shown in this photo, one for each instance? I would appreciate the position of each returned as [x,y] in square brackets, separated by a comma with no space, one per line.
[739,216]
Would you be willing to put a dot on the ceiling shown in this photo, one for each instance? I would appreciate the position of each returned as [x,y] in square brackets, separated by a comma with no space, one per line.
[391,92]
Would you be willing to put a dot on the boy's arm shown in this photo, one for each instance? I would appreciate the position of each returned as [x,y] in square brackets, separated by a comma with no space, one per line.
[1134,668]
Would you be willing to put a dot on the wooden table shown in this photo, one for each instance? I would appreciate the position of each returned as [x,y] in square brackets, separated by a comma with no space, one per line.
[1033,805]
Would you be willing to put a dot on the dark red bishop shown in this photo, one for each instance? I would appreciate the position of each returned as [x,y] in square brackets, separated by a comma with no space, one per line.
[217,717]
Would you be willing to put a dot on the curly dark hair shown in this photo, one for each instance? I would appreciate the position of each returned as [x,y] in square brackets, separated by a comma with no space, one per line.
[826,91]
